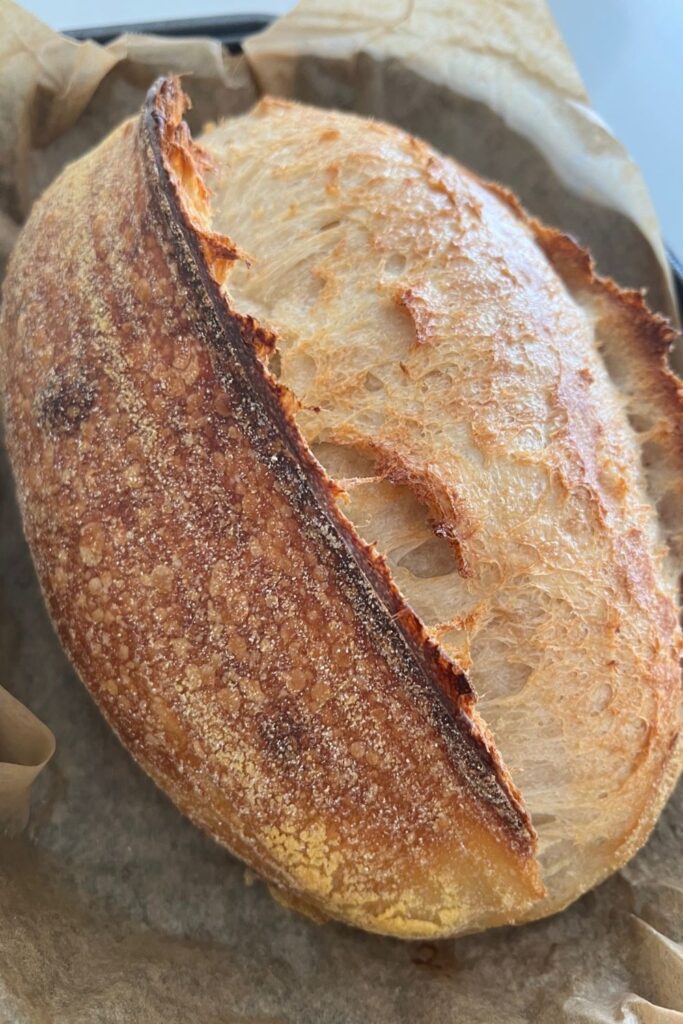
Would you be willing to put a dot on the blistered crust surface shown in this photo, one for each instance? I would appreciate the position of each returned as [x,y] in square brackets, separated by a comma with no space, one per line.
[241,640]
[507,432]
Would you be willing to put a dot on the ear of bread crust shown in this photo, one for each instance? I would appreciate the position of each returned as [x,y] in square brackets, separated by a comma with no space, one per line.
[251,652]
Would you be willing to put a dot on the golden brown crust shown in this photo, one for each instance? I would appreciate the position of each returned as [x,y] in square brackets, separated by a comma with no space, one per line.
[252,653]
[635,344]
[452,370]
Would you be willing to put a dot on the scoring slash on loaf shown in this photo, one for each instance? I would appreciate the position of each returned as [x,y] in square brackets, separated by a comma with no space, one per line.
[499,422]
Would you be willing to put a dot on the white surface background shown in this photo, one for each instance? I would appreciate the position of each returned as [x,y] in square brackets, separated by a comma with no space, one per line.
[629,52]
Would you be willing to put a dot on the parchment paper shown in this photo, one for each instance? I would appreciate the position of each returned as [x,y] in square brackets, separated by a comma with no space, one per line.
[113,908]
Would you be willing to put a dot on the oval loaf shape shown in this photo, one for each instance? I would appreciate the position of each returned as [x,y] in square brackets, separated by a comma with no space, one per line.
[289,686]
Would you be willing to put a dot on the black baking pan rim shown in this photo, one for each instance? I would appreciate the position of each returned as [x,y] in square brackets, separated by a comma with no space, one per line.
[229,29]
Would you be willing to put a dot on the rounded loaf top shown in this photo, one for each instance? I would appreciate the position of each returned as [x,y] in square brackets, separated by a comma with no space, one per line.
[499,423]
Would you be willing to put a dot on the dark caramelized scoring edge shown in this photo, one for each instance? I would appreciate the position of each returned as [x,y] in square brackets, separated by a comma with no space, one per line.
[263,408]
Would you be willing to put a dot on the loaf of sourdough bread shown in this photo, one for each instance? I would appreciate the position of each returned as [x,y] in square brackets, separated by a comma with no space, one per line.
[307,463]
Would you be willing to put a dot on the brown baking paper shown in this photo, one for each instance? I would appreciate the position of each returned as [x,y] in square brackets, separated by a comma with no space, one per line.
[113,908]
[26,745]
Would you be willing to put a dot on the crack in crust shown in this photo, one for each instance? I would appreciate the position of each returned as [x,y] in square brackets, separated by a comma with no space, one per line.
[167,136]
